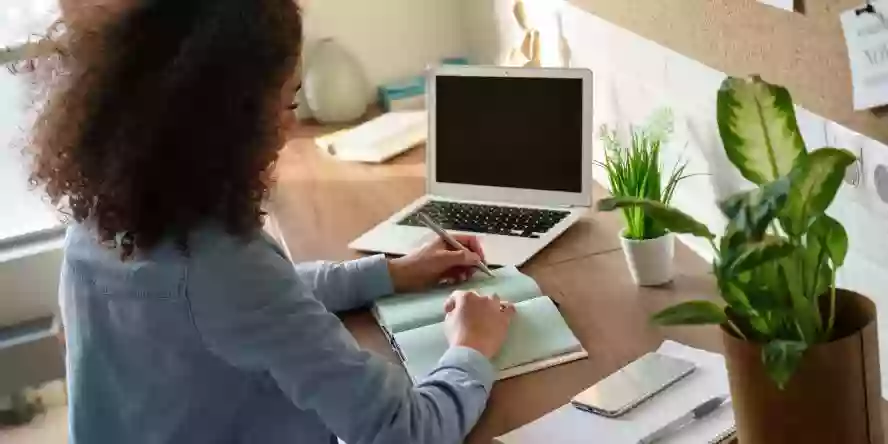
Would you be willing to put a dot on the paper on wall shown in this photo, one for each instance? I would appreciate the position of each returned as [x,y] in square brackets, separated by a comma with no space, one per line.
[866,34]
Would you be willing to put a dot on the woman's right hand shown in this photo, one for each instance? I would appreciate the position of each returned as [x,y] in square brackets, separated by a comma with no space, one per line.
[478,322]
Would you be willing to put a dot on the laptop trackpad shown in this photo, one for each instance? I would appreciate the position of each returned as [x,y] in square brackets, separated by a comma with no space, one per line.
[420,241]
[430,237]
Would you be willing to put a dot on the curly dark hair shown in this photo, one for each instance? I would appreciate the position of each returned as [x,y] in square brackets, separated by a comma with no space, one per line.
[167,116]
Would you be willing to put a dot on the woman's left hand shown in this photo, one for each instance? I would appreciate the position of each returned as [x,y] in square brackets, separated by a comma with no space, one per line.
[434,263]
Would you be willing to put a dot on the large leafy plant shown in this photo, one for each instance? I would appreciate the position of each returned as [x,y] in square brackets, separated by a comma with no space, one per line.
[634,170]
[776,262]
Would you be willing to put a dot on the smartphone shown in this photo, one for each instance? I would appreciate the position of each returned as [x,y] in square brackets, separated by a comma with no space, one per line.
[633,384]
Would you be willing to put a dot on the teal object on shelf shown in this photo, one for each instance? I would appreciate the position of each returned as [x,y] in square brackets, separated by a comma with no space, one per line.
[455,61]
[404,94]
[409,93]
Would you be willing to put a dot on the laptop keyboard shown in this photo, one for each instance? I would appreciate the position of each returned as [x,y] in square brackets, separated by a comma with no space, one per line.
[488,219]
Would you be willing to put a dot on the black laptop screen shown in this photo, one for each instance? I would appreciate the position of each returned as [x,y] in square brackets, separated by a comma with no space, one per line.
[510,132]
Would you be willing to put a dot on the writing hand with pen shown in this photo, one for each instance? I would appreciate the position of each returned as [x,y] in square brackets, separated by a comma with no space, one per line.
[436,262]
[479,322]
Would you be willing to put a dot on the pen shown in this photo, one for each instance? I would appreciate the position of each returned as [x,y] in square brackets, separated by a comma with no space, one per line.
[697,413]
[444,235]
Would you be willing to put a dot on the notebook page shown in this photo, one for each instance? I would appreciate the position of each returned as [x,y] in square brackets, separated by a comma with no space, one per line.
[537,332]
[569,425]
[411,310]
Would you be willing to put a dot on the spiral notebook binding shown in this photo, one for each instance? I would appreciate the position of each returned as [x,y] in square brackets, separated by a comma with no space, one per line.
[725,436]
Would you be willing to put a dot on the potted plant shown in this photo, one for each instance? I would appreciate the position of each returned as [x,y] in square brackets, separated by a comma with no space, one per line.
[634,171]
[801,354]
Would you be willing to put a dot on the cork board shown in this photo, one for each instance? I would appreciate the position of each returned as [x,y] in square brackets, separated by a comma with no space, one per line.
[804,51]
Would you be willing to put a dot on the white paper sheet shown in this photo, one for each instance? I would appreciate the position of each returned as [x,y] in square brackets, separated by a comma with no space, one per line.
[379,139]
[569,425]
[788,5]
[866,35]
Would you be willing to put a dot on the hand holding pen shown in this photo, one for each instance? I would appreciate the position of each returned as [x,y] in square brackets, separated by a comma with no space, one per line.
[439,261]
[453,243]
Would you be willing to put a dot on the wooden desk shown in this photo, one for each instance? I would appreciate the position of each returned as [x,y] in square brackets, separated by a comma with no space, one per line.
[322,204]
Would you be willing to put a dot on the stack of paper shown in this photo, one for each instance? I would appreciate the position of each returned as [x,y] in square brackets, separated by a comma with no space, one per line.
[569,425]
[379,139]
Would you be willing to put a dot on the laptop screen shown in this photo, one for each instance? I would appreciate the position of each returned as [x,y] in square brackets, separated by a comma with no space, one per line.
[510,132]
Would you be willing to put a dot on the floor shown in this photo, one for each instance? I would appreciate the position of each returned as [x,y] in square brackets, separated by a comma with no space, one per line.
[48,428]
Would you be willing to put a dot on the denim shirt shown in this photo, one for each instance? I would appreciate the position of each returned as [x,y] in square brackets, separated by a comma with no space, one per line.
[232,343]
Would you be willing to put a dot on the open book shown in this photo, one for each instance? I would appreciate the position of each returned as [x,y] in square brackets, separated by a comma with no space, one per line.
[538,336]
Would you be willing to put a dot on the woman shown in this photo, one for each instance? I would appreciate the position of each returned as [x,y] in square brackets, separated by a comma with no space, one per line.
[184,323]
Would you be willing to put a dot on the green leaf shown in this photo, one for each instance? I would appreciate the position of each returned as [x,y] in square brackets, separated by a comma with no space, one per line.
[815,182]
[819,283]
[634,170]
[754,254]
[751,212]
[730,241]
[768,289]
[781,359]
[825,249]
[742,309]
[771,194]
[669,218]
[691,313]
[732,292]
[753,326]
[755,298]
[829,234]
[805,319]
[757,124]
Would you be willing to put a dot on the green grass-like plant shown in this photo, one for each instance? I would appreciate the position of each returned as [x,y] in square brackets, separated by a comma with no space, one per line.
[635,171]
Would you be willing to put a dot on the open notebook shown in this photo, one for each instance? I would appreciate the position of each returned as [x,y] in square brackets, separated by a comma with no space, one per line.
[538,336]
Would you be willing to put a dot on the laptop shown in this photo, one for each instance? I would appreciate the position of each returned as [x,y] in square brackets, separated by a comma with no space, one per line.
[508,159]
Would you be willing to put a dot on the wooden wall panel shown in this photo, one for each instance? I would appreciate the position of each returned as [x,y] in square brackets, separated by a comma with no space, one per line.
[805,51]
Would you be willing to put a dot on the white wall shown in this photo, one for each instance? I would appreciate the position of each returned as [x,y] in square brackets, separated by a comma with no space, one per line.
[633,76]
[391,38]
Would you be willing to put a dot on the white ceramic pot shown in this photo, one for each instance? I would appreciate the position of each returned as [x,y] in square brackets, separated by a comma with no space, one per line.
[650,260]
[335,87]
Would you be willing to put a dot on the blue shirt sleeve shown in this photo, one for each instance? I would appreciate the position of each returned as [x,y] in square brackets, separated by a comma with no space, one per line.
[343,286]
[347,285]
[253,310]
